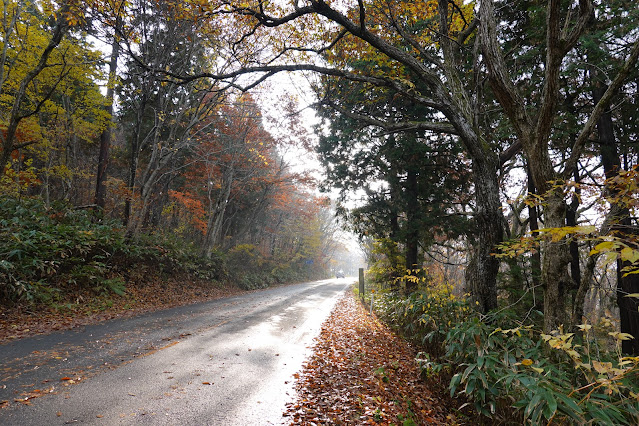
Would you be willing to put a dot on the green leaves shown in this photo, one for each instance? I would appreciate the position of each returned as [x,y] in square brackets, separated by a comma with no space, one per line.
[499,360]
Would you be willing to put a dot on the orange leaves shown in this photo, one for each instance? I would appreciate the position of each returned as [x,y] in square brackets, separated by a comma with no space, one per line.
[194,208]
[26,397]
[360,373]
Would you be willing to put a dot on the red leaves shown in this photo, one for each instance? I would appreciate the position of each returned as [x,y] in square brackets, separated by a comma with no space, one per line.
[361,373]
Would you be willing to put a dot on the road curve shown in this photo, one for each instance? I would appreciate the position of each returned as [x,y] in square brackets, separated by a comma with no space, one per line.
[224,362]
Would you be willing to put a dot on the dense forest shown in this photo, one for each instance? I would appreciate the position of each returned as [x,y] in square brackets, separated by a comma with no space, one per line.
[109,169]
[492,145]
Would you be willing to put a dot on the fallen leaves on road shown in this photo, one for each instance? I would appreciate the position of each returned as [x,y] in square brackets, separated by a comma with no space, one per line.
[361,373]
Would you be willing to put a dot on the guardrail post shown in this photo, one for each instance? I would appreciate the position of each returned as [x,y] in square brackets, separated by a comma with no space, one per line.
[361,283]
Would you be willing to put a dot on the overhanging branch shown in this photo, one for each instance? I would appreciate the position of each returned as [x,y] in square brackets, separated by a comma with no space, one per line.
[599,109]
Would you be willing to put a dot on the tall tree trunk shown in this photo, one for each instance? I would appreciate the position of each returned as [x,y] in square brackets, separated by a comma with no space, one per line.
[397,272]
[105,137]
[554,269]
[134,157]
[533,224]
[534,133]
[412,227]
[216,219]
[128,204]
[481,273]
[620,224]
[571,220]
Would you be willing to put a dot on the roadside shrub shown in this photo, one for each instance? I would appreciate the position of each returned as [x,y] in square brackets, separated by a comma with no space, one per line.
[424,317]
[50,255]
[47,252]
[508,370]
[244,257]
[39,245]
[558,378]
[173,255]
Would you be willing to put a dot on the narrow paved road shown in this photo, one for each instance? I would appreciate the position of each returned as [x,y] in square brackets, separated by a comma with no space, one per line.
[225,362]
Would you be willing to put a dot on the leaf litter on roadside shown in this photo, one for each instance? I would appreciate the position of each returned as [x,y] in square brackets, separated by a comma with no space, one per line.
[361,373]
[158,293]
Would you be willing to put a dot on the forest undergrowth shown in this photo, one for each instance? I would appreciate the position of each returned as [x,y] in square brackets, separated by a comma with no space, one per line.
[507,369]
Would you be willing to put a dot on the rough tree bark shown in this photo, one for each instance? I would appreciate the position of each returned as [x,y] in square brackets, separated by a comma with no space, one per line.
[620,223]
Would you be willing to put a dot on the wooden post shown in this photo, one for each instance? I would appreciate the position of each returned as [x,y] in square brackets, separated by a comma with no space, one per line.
[361,283]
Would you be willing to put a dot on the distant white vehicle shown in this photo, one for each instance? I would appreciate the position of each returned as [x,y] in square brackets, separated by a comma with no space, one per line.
[340,274]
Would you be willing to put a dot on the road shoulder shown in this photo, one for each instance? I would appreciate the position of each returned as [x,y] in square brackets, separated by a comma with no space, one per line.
[362,373]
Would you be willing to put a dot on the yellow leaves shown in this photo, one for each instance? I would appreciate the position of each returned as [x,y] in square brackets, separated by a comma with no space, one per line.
[517,247]
[558,234]
[620,336]
[585,327]
[615,248]
[624,187]
[564,343]
[411,86]
[628,254]
[527,362]
[512,331]
[606,245]
[602,367]
[70,72]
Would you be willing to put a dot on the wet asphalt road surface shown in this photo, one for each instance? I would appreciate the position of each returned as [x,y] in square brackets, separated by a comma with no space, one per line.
[225,362]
